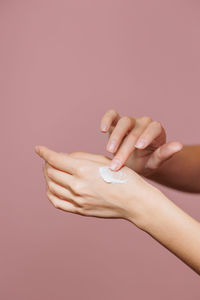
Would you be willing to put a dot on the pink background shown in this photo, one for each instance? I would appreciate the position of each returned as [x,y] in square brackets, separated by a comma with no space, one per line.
[62,65]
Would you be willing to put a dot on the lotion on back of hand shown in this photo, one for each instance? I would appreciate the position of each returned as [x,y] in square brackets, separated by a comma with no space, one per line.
[110,176]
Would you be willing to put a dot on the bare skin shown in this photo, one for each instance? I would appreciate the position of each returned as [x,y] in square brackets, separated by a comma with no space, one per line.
[182,171]
[74,185]
[169,163]
[140,143]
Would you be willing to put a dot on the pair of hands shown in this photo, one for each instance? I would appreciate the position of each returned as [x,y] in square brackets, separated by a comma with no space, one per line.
[74,183]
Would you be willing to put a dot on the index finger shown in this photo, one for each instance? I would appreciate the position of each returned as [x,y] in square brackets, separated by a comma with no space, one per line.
[58,160]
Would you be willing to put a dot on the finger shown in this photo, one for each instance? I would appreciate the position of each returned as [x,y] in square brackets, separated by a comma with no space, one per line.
[128,145]
[112,127]
[124,125]
[93,157]
[123,154]
[45,174]
[109,118]
[62,204]
[62,162]
[162,154]
[62,178]
[63,193]
[153,131]
[60,191]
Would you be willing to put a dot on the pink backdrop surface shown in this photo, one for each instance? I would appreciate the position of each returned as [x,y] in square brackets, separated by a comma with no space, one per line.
[62,65]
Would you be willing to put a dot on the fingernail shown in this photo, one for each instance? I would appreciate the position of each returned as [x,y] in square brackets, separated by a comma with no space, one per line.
[112,145]
[177,147]
[115,164]
[104,127]
[140,143]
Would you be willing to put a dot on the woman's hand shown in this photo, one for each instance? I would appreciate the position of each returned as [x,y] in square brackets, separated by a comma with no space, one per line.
[138,143]
[74,185]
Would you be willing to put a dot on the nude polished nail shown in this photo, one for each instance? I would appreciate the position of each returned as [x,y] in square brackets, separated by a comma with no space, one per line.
[104,127]
[115,164]
[140,143]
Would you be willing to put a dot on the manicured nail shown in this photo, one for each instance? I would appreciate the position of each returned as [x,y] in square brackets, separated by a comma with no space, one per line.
[104,127]
[115,164]
[140,143]
[111,146]
[177,147]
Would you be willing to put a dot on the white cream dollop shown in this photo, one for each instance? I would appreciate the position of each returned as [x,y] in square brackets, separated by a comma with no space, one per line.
[112,176]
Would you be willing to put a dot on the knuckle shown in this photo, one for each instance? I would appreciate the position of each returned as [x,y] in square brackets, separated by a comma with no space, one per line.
[48,194]
[52,200]
[75,154]
[79,210]
[147,119]
[49,171]
[82,202]
[127,119]
[78,187]
[112,111]
[55,204]
[157,124]
[50,186]
[133,135]
[153,167]
[82,169]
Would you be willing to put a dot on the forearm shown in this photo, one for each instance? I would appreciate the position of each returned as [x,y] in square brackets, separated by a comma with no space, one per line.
[182,171]
[174,229]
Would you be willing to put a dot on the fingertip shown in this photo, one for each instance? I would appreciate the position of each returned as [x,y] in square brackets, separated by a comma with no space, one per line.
[170,149]
[177,146]
[37,149]
[104,128]
[141,143]
[115,164]
[180,145]
[40,150]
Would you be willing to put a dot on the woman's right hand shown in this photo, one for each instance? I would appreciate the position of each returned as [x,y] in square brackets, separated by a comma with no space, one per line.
[137,142]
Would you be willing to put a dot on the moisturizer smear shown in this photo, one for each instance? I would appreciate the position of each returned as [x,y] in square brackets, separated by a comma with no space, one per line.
[112,176]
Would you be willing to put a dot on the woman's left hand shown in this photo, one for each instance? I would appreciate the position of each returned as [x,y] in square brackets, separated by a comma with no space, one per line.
[74,185]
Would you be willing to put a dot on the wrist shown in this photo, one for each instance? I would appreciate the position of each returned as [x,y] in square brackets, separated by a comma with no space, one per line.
[153,203]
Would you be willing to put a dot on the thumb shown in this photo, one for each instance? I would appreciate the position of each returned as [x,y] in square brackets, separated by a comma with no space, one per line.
[163,153]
